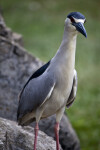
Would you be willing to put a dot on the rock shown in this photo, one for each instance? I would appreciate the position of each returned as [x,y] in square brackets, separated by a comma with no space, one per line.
[16,65]
[7,32]
[14,137]
[18,38]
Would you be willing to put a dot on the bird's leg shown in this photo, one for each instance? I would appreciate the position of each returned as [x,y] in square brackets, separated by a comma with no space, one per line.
[57,135]
[59,115]
[36,134]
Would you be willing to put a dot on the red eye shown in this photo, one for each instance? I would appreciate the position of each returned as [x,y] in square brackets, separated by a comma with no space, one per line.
[72,19]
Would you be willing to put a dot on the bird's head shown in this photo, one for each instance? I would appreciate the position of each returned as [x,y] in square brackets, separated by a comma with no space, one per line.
[75,22]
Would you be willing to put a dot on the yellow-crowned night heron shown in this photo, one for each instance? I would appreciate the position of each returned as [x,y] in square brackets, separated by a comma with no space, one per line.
[54,85]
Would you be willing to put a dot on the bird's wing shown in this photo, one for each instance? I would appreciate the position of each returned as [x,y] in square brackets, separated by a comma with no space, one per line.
[36,92]
[36,74]
[73,91]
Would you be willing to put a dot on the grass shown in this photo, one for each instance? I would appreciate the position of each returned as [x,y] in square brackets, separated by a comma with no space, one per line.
[41,23]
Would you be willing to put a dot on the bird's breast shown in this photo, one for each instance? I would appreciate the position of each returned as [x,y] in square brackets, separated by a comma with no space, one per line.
[63,75]
[59,95]
[64,83]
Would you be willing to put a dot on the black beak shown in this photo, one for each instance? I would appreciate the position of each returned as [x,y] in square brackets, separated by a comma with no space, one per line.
[80,27]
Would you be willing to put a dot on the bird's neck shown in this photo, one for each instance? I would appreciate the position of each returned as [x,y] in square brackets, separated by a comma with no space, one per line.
[66,52]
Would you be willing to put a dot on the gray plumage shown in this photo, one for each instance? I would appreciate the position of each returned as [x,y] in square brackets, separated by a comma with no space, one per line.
[34,94]
[54,85]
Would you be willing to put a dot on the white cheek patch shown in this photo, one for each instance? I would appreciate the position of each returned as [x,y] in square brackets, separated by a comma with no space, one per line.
[79,20]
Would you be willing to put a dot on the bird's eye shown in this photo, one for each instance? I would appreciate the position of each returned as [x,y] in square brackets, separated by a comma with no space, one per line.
[72,19]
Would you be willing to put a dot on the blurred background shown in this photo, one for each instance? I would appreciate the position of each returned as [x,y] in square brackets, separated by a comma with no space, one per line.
[41,22]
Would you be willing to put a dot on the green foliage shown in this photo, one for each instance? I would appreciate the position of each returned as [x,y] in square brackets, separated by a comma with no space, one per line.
[41,23]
